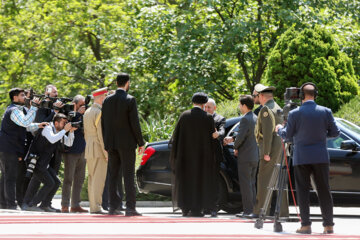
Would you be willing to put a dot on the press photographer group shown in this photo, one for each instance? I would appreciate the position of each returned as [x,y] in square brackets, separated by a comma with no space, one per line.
[37,131]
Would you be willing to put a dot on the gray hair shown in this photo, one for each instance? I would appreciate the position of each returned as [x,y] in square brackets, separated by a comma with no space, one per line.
[78,98]
[212,101]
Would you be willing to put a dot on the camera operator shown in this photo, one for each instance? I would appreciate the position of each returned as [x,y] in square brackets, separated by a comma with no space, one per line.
[74,163]
[269,147]
[44,145]
[46,114]
[15,122]
[309,126]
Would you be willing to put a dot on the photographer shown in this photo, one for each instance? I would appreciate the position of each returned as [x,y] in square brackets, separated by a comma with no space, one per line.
[44,146]
[74,163]
[309,126]
[16,120]
[47,114]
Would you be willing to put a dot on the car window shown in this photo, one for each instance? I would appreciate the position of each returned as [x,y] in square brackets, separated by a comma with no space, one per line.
[349,125]
[336,142]
[233,131]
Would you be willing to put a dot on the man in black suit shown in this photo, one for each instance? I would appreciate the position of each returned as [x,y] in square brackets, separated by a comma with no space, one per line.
[122,134]
[247,153]
[210,107]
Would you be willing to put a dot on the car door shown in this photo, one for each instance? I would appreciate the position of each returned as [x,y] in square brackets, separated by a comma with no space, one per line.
[344,166]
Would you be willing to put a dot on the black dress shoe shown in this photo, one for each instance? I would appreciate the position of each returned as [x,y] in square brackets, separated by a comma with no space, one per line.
[213,214]
[48,209]
[98,212]
[185,212]
[196,214]
[55,209]
[252,215]
[132,213]
[115,212]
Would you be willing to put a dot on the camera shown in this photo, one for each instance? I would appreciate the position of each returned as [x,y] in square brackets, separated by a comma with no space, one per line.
[78,124]
[291,97]
[32,159]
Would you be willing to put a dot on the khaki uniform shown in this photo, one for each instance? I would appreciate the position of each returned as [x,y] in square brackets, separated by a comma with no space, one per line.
[269,144]
[95,155]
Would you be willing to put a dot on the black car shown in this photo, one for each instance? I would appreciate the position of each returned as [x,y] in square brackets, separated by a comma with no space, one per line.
[153,175]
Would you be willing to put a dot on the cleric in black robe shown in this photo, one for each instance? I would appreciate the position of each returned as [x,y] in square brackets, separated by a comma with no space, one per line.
[193,160]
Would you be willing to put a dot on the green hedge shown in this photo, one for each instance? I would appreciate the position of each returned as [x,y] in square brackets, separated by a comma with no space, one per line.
[350,111]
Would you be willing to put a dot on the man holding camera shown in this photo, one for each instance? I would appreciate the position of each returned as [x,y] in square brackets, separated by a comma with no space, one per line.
[14,124]
[74,163]
[44,145]
[270,148]
[309,126]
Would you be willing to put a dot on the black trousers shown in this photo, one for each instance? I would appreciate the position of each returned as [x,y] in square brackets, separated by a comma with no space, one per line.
[8,167]
[122,159]
[22,182]
[120,194]
[320,172]
[50,183]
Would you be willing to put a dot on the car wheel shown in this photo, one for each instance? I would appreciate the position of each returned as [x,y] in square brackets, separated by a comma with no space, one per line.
[225,202]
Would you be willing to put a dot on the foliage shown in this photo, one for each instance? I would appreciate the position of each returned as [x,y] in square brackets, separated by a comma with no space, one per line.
[155,128]
[350,111]
[171,48]
[312,56]
[228,109]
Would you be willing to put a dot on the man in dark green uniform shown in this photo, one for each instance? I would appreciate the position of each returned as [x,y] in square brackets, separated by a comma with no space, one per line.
[270,148]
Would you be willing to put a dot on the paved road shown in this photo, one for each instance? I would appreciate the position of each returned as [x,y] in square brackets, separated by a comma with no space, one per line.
[162,223]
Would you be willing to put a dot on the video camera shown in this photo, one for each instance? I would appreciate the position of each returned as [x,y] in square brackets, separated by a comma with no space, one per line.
[291,97]
[48,102]
[80,124]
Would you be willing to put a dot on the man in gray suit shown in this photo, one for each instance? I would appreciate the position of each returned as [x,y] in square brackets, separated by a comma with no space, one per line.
[247,153]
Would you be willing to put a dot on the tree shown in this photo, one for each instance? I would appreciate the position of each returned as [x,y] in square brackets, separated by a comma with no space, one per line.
[312,56]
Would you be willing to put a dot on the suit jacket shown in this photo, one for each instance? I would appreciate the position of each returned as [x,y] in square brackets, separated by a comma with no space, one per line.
[245,141]
[93,133]
[309,126]
[120,122]
[220,125]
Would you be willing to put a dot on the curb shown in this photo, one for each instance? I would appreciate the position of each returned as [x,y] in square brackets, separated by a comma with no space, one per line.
[138,203]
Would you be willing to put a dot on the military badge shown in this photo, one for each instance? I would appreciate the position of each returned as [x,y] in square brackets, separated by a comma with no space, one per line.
[265,114]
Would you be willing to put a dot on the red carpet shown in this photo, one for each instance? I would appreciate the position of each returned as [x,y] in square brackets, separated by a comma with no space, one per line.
[86,218]
[178,237]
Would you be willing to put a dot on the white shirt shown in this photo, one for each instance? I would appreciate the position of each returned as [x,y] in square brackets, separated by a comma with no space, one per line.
[53,136]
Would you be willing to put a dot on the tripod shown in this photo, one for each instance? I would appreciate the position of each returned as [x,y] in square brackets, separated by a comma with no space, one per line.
[278,182]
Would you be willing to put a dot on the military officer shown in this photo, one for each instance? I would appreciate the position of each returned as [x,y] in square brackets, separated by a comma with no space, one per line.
[95,154]
[270,147]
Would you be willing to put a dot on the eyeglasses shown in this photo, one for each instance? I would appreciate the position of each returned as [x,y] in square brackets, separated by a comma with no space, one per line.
[255,95]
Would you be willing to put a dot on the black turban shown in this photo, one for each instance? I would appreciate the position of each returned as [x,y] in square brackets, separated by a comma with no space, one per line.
[200,98]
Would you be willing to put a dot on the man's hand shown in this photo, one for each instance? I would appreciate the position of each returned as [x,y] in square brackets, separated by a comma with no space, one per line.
[236,152]
[43,124]
[20,159]
[81,109]
[73,129]
[67,127]
[278,127]
[141,150]
[215,134]
[36,100]
[58,104]
[227,140]
[267,158]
